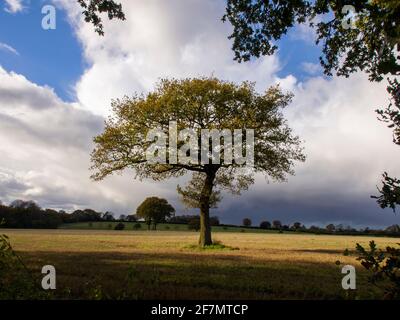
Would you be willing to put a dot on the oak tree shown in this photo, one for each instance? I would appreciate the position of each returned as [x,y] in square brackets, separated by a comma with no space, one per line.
[200,104]
[154,210]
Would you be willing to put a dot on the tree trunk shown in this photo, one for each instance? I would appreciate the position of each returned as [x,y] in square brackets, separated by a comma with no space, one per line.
[205,228]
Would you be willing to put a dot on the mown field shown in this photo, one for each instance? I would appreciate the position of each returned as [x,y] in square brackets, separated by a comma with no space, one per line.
[101,264]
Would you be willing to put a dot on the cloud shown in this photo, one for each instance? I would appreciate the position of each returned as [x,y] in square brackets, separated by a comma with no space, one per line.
[13,6]
[45,147]
[347,150]
[159,39]
[311,68]
[303,32]
[8,48]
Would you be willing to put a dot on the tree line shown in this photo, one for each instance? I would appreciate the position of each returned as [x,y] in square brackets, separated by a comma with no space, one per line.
[152,211]
[27,214]
[393,230]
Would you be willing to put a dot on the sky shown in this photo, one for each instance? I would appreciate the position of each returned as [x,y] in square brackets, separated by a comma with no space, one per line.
[56,87]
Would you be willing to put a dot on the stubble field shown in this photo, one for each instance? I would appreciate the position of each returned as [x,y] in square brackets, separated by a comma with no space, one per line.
[102,264]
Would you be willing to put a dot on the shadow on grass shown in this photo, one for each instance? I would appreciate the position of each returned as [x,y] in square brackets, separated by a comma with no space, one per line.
[217,245]
[328,251]
[190,275]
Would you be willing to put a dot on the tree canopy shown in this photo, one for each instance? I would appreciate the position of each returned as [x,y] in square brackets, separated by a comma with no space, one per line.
[369,45]
[154,210]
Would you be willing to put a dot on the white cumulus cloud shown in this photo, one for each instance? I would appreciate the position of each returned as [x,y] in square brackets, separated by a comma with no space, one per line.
[13,6]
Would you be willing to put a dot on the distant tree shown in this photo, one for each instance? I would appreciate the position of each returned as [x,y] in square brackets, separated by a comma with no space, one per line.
[182,219]
[339,227]
[108,216]
[330,228]
[393,229]
[276,224]
[123,217]
[27,214]
[119,226]
[131,218]
[137,226]
[224,106]
[21,204]
[314,229]
[296,226]
[214,221]
[265,225]
[154,210]
[194,224]
[91,215]
[246,222]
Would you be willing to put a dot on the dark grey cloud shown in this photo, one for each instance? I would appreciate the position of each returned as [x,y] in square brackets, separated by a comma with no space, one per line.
[358,212]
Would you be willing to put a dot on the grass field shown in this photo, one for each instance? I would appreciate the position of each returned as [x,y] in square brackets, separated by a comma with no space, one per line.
[97,264]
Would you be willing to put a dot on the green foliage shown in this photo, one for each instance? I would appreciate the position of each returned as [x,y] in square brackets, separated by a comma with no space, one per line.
[257,25]
[229,106]
[391,114]
[190,196]
[277,224]
[297,226]
[93,8]
[16,281]
[154,210]
[389,192]
[265,225]
[384,266]
[246,222]
[204,103]
[131,218]
[119,226]
[137,226]
[194,224]
[27,214]
[330,228]
[216,245]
